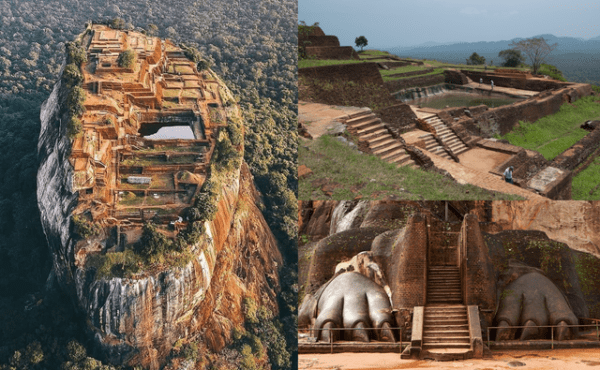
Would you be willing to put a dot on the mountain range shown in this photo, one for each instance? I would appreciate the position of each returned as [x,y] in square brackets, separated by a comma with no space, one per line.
[578,59]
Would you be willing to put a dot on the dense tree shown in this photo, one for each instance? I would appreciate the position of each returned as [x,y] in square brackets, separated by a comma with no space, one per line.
[476,59]
[361,42]
[126,59]
[536,49]
[512,57]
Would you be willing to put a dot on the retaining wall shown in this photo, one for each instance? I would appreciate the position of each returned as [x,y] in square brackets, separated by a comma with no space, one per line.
[359,73]
[330,52]
[412,82]
[578,152]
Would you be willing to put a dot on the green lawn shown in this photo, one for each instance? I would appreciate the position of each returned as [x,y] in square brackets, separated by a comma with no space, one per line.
[554,134]
[354,174]
[387,72]
[305,63]
[371,53]
[586,185]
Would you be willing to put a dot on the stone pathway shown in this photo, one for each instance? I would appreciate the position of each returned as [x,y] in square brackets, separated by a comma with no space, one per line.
[465,175]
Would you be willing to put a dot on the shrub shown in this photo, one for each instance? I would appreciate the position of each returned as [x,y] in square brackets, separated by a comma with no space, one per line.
[203,65]
[119,264]
[126,59]
[226,156]
[152,242]
[74,127]
[234,130]
[192,53]
[72,76]
[85,228]
[75,54]
[117,24]
[75,101]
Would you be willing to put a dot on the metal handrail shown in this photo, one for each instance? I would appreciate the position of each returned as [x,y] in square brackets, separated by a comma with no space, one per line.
[339,329]
[597,325]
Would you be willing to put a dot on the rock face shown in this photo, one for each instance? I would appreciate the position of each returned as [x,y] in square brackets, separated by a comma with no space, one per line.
[136,320]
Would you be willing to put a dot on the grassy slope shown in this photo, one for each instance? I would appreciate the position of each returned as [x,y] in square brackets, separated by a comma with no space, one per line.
[356,174]
[554,134]
[585,185]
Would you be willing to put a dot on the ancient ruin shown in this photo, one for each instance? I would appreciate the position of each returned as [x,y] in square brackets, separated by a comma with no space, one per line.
[442,280]
[460,140]
[149,210]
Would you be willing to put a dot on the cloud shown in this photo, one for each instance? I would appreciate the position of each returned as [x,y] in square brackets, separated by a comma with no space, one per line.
[472,11]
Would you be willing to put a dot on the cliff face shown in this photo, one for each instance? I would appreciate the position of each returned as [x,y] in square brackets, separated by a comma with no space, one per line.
[137,320]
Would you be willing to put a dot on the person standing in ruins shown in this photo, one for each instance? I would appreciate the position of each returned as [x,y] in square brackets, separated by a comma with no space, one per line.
[480,80]
[508,174]
[492,81]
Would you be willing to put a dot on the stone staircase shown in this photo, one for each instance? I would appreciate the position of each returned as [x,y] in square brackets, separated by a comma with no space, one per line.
[447,136]
[376,139]
[443,285]
[434,147]
[446,334]
[446,330]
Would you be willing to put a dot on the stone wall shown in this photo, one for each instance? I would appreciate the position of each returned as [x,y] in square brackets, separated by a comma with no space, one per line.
[532,84]
[318,41]
[364,73]
[399,117]
[578,152]
[412,82]
[330,52]
[455,77]
[412,73]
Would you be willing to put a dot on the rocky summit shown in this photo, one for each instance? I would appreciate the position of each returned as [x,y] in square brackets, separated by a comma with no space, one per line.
[146,203]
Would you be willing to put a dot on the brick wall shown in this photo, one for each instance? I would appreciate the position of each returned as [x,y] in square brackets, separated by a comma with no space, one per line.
[578,152]
[532,84]
[455,77]
[359,73]
[398,117]
[407,267]
[318,41]
[478,277]
[405,83]
[331,52]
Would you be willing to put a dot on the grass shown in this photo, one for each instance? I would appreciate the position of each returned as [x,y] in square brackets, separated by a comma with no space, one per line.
[372,52]
[385,72]
[305,63]
[357,175]
[585,185]
[554,134]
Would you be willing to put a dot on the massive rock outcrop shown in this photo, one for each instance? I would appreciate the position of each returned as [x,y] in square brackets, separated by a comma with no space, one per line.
[140,305]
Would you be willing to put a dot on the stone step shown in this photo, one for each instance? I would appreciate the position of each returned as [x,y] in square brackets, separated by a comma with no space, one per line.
[357,121]
[370,128]
[462,150]
[400,159]
[364,112]
[386,148]
[444,333]
[456,339]
[364,121]
[443,301]
[373,134]
[446,345]
[381,141]
[399,150]
[380,149]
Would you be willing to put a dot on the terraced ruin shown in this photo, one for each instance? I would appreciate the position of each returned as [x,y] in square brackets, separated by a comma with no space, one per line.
[460,141]
[148,131]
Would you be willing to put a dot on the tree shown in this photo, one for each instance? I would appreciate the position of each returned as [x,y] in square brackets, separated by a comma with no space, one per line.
[536,49]
[512,57]
[152,30]
[361,42]
[476,59]
[126,59]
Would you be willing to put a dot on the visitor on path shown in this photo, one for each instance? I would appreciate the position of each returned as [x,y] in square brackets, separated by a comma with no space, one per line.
[508,174]
[480,80]
[492,84]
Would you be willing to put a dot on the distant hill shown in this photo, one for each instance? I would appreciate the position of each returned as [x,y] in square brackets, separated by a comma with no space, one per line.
[578,59]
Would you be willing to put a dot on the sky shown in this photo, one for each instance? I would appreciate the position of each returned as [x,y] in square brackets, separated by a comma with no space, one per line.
[391,23]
